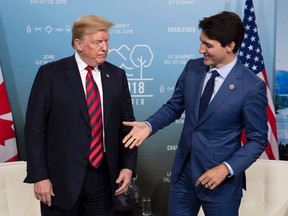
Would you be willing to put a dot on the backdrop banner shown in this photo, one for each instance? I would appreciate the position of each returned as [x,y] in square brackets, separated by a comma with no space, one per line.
[152,40]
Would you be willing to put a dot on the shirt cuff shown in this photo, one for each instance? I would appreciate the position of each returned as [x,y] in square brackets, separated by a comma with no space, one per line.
[146,122]
[230,169]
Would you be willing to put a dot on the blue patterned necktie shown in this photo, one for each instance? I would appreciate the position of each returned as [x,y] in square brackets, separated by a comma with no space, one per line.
[207,94]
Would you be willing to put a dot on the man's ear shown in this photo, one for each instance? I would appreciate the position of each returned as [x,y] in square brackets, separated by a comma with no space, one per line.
[230,47]
[78,45]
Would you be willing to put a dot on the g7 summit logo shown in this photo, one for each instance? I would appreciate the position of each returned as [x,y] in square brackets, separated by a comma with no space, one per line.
[134,61]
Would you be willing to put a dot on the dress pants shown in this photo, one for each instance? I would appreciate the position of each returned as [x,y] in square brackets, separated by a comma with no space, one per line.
[183,199]
[96,197]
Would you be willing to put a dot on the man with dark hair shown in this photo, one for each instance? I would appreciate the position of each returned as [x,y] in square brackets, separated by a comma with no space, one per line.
[221,98]
[73,130]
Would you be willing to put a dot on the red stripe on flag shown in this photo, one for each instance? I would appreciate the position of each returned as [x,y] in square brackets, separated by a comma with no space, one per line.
[250,55]
[269,152]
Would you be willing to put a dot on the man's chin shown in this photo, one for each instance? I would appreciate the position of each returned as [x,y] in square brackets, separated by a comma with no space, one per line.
[206,62]
[101,60]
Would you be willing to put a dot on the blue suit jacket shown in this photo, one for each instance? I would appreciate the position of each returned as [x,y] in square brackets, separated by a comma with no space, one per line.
[239,104]
[57,129]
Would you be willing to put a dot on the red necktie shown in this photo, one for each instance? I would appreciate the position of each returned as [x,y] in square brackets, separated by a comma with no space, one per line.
[95,114]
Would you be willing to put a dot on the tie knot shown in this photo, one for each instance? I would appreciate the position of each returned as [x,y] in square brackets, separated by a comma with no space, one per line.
[214,73]
[89,68]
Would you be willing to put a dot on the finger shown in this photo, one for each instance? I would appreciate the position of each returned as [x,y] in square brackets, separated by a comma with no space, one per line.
[120,190]
[43,200]
[48,198]
[52,192]
[138,142]
[134,142]
[128,123]
[126,138]
[123,189]
[213,186]
[48,201]
[200,180]
[208,185]
[131,142]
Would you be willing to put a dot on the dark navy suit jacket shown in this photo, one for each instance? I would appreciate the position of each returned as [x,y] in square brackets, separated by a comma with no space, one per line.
[57,130]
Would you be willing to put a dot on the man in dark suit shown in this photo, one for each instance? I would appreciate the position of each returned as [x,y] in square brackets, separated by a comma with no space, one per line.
[210,161]
[68,180]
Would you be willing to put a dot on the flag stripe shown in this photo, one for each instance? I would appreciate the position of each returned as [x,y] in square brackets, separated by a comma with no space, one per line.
[270,108]
[251,56]
[269,152]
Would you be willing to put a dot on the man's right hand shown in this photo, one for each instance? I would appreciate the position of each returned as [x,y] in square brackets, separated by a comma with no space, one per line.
[139,133]
[43,191]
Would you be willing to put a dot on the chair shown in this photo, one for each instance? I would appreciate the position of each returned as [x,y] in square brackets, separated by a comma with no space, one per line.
[267,191]
[16,197]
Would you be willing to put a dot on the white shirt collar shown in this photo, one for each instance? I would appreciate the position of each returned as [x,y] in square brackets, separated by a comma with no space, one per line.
[81,64]
[225,70]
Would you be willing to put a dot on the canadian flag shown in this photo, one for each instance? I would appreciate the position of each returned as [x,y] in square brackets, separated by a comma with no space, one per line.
[8,146]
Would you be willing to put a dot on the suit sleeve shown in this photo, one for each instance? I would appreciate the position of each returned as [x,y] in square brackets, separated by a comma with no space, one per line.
[129,157]
[256,129]
[35,128]
[172,109]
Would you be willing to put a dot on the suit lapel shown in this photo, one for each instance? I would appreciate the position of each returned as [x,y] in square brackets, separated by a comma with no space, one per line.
[74,78]
[198,80]
[230,84]
[107,96]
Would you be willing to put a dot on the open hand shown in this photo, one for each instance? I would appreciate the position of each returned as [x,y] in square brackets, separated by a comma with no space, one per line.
[139,133]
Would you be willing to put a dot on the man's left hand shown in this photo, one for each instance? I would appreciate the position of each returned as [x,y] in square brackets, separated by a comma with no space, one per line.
[213,177]
[124,180]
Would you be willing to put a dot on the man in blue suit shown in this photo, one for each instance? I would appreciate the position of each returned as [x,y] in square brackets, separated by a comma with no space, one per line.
[58,134]
[210,162]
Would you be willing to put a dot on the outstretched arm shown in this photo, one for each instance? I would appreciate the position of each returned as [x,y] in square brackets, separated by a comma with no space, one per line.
[139,133]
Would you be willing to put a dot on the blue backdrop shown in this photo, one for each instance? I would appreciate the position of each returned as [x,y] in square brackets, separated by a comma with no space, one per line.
[152,40]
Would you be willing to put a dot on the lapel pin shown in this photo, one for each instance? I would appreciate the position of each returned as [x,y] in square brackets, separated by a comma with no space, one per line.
[107,75]
[231,86]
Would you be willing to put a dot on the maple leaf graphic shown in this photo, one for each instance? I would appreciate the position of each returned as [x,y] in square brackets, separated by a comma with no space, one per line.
[6,131]
[4,103]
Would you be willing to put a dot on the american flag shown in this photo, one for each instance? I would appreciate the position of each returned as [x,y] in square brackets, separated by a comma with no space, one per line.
[250,55]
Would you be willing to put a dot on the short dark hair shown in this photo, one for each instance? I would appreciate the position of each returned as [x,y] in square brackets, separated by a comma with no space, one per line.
[225,27]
